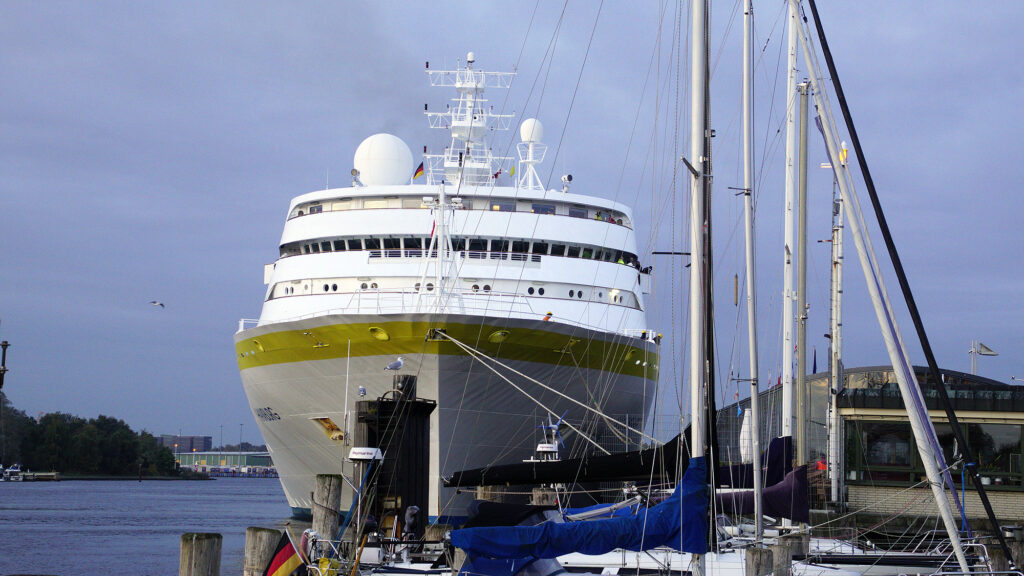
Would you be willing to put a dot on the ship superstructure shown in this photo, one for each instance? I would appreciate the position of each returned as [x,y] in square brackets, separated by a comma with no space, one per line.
[503,298]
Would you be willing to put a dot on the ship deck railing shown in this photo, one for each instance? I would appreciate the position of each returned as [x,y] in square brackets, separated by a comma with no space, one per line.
[412,301]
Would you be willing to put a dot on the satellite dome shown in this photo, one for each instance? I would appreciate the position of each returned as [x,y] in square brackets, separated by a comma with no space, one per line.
[531,130]
[383,160]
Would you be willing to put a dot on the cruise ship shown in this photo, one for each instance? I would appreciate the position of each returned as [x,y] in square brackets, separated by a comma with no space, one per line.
[510,303]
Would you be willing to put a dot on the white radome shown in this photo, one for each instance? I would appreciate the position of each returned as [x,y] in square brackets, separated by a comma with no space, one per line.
[531,130]
[383,160]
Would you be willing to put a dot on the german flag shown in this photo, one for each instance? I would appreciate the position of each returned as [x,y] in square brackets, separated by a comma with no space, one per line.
[419,172]
[285,561]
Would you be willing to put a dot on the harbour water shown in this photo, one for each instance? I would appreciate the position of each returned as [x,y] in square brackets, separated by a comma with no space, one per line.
[129,527]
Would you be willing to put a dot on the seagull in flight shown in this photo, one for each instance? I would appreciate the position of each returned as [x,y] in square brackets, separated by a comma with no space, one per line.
[396,365]
[155,303]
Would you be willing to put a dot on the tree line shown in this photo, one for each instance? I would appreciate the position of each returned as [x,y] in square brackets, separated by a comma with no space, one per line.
[73,445]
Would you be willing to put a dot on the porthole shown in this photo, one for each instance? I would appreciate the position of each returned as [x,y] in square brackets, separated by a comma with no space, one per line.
[600,294]
[326,288]
[417,287]
[572,293]
[540,291]
[334,287]
[374,285]
[476,287]
[363,286]
[530,290]
[430,286]
[487,287]
[579,294]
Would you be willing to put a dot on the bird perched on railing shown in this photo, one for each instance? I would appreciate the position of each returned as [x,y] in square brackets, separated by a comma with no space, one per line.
[396,365]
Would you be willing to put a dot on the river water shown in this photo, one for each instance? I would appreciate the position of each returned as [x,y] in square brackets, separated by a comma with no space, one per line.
[129,527]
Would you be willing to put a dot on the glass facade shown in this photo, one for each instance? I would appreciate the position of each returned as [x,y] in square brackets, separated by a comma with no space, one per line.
[884,451]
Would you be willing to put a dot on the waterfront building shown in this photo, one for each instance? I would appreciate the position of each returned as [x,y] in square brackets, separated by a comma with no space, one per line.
[880,470]
[181,444]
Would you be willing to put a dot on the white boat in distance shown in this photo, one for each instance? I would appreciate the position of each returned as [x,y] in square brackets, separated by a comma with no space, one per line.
[464,258]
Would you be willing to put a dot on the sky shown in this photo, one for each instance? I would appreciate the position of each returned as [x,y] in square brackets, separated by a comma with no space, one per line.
[148,151]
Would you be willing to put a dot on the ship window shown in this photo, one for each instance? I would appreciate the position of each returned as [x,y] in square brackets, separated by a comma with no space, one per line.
[577,212]
[574,252]
[572,293]
[305,248]
[459,244]
[372,243]
[373,285]
[487,287]
[579,294]
[588,253]
[355,244]
[342,205]
[370,204]
[325,246]
[316,209]
[478,245]
[392,243]
[499,245]
[327,288]
[558,249]
[363,286]
[520,246]
[503,206]
[412,203]
[339,245]
[417,287]
[430,286]
[540,291]
[529,290]
[315,248]
[543,208]
[540,248]
[334,287]
[301,213]
[476,287]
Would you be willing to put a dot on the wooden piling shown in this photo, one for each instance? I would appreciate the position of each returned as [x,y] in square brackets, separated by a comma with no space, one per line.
[757,561]
[260,544]
[200,554]
[782,559]
[327,505]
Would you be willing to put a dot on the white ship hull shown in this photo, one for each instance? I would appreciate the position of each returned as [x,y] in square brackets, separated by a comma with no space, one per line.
[295,372]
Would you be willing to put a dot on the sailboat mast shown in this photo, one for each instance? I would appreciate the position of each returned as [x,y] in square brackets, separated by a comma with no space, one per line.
[789,233]
[699,133]
[836,347]
[748,216]
[920,423]
[802,397]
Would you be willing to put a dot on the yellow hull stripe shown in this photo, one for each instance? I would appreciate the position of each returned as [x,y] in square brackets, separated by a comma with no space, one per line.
[621,355]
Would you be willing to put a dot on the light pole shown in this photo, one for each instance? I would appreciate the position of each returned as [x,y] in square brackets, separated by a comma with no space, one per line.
[220,459]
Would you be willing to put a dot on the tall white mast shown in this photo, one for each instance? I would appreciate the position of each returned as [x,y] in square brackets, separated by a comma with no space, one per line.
[917,413]
[698,184]
[748,216]
[788,316]
[802,397]
[836,347]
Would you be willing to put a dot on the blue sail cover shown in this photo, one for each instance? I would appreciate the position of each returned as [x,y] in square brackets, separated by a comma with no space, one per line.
[680,522]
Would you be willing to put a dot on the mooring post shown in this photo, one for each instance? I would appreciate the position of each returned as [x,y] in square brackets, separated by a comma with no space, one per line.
[757,561]
[200,554]
[326,505]
[260,544]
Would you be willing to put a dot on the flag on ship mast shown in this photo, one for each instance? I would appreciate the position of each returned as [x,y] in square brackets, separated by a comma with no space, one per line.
[419,172]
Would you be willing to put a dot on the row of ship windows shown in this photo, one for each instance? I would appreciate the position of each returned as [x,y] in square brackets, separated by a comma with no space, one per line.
[490,204]
[414,247]
[328,286]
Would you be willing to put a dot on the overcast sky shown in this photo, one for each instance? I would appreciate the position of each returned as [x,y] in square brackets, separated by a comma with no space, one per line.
[148,151]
